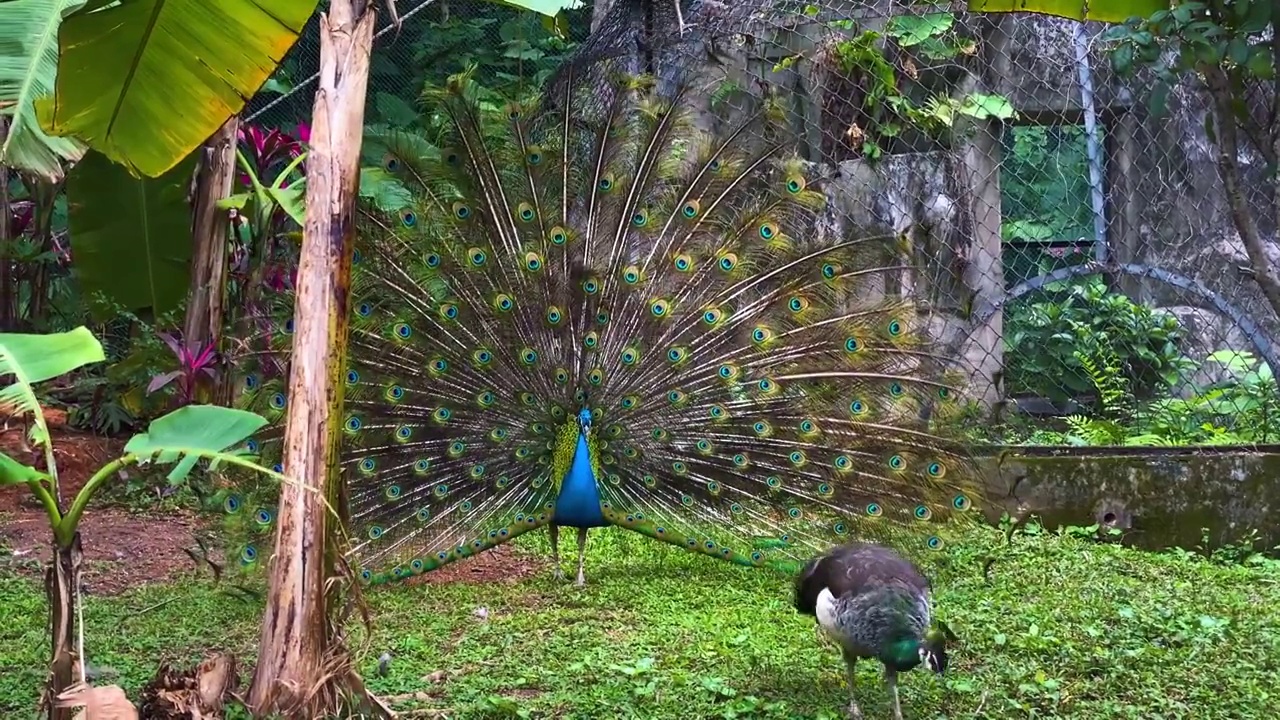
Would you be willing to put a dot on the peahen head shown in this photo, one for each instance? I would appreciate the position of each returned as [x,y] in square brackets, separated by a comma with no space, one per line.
[933,650]
[908,652]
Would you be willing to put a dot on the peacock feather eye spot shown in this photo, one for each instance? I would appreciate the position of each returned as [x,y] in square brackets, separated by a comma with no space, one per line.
[895,389]
[839,528]
[559,236]
[794,186]
[590,286]
[533,158]
[630,356]
[704,446]
[353,424]
[395,393]
[356,256]
[740,460]
[897,462]
[659,308]
[408,218]
[528,356]
[417,565]
[658,434]
[807,426]
[683,262]
[441,490]
[852,345]
[640,219]
[442,414]
[420,467]
[252,445]
[631,275]
[364,310]
[794,513]
[715,165]
[529,400]
[717,411]
[605,184]
[368,465]
[554,316]
[433,260]
[728,262]
[680,468]
[278,401]
[562,377]
[760,427]
[766,385]
[391,163]
[712,316]
[825,489]
[676,354]
[768,230]
[797,458]
[288,326]
[375,532]
[277,468]
[461,210]
[934,542]
[675,397]
[503,302]
[477,257]
[829,271]
[485,399]
[482,357]
[251,382]
[937,470]
[843,462]
[477,471]
[248,555]
[596,376]
[402,331]
[404,432]
[532,261]
[961,502]
[922,512]
[602,318]
[727,371]
[498,434]
[439,365]
[452,158]
[761,335]
[857,407]
[895,328]
[231,505]
[874,509]
[944,394]
[353,377]
[797,304]
[526,212]
[629,402]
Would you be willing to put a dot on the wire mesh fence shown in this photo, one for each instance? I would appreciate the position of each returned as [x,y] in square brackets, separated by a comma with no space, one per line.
[1068,228]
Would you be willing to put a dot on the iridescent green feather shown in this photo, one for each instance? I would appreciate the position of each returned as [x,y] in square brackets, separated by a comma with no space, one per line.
[755,396]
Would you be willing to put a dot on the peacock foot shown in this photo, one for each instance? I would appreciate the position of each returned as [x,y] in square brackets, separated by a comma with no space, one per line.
[580,582]
[558,575]
[855,712]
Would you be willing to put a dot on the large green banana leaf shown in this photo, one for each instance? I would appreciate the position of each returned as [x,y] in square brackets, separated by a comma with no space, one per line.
[28,68]
[146,81]
[131,237]
[1114,11]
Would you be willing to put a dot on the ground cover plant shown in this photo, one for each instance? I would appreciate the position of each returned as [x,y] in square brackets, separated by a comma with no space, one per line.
[1057,625]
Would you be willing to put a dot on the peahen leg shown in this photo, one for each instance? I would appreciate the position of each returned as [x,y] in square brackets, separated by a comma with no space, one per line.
[555,550]
[891,682]
[582,551]
[850,661]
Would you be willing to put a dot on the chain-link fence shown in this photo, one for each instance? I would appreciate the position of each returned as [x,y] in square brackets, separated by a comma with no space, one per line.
[1076,247]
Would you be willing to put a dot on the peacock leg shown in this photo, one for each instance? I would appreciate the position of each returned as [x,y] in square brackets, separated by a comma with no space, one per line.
[555,550]
[891,681]
[582,551]
[850,661]
[679,16]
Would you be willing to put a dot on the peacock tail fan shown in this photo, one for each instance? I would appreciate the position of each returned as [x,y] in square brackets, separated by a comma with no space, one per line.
[629,280]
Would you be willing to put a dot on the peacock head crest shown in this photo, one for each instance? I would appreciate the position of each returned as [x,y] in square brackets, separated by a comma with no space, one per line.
[933,651]
[584,419]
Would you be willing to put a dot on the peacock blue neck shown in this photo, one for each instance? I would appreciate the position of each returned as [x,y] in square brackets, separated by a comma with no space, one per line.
[578,504]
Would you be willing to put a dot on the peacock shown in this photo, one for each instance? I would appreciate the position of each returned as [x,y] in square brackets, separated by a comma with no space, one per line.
[591,309]
[873,603]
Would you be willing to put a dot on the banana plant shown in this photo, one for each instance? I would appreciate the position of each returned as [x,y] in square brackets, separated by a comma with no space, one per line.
[181,439]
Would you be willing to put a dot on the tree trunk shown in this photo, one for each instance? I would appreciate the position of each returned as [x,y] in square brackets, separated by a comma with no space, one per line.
[301,672]
[214,175]
[61,583]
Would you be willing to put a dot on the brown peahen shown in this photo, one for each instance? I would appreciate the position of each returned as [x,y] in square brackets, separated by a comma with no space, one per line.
[582,318]
[873,603]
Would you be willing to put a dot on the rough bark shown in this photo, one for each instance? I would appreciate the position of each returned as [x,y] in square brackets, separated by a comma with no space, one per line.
[214,176]
[61,582]
[299,673]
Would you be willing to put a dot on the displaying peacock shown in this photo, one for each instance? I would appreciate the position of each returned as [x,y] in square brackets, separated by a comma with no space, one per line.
[873,603]
[604,313]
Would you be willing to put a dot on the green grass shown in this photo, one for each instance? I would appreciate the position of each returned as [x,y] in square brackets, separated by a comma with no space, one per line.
[1060,627]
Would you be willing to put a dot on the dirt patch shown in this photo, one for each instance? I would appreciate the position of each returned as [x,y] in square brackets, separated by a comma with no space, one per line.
[501,564]
[121,549]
